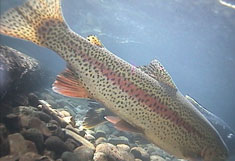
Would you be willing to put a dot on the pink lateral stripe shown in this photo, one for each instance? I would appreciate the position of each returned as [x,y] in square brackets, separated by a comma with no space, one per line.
[140,94]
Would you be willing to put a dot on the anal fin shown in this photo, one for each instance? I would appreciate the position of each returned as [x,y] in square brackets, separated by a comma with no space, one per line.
[122,125]
[68,84]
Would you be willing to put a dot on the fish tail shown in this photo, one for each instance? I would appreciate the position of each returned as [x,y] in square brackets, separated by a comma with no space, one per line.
[33,21]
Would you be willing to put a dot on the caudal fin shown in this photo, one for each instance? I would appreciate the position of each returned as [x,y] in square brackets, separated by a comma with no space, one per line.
[33,20]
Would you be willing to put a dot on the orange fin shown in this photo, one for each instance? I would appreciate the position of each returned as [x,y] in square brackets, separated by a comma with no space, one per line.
[122,125]
[68,84]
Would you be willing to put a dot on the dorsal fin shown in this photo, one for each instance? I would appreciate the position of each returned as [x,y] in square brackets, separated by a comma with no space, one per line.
[94,40]
[158,72]
[68,84]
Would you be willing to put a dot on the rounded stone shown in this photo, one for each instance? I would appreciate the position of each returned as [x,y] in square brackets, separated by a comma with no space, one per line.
[72,144]
[99,156]
[140,153]
[54,143]
[35,136]
[100,140]
[42,116]
[84,153]
[156,158]
[100,133]
[30,156]
[69,156]
[119,140]
[124,147]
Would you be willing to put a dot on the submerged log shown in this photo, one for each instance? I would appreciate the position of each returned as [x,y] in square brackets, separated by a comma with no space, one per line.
[19,74]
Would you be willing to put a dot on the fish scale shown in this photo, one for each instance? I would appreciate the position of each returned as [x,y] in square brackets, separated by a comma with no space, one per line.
[150,104]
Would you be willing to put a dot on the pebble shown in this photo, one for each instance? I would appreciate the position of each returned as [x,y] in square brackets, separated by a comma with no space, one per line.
[99,156]
[140,153]
[54,143]
[42,116]
[34,122]
[100,133]
[35,136]
[156,158]
[69,156]
[100,140]
[55,129]
[113,153]
[30,156]
[118,140]
[72,144]
[84,153]
[19,146]
[12,123]
[9,158]
[124,147]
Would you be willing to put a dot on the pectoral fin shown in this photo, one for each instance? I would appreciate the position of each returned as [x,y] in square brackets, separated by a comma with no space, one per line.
[122,125]
[93,118]
[68,84]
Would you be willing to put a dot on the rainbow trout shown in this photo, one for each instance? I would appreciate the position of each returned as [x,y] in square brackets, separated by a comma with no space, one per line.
[145,99]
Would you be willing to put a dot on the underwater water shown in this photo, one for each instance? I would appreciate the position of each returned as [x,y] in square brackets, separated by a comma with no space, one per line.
[194,41]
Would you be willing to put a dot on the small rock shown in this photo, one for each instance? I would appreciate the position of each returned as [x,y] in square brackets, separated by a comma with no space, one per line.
[25,110]
[24,121]
[119,140]
[50,154]
[35,136]
[99,156]
[29,156]
[124,147]
[19,146]
[59,159]
[84,153]
[69,156]
[4,146]
[100,133]
[100,140]
[42,116]
[55,130]
[113,153]
[54,143]
[137,159]
[41,126]
[10,158]
[104,128]
[72,144]
[140,153]
[156,158]
[12,123]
